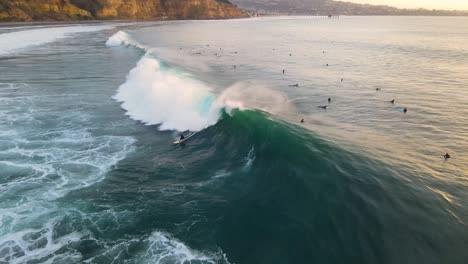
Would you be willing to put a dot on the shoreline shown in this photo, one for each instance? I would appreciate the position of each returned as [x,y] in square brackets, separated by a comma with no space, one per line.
[67,22]
[35,23]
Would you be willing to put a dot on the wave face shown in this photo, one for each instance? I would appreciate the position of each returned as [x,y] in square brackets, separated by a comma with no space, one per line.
[14,42]
[284,188]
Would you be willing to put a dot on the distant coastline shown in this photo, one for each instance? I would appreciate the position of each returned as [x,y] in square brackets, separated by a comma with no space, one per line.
[329,7]
[95,11]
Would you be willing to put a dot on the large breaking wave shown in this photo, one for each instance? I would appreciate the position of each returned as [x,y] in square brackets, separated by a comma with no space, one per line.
[157,94]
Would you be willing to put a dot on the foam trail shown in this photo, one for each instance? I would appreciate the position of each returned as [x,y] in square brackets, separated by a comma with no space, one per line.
[160,96]
[13,42]
[161,248]
[250,158]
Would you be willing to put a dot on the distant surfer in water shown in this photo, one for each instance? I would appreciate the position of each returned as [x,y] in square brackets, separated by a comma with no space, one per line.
[447,156]
[392,101]
[377,89]
[342,79]
[323,107]
[294,85]
[283,71]
[329,100]
[302,120]
[405,110]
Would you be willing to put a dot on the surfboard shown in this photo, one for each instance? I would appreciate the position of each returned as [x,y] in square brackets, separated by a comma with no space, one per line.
[183,140]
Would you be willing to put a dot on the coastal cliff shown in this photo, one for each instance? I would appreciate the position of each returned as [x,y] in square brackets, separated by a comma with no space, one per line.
[31,10]
[28,10]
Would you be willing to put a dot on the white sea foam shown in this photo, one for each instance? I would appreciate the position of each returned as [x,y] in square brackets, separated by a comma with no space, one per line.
[160,247]
[160,96]
[14,42]
[119,38]
[39,166]
[70,161]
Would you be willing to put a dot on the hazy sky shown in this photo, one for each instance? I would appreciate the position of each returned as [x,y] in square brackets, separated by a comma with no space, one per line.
[438,4]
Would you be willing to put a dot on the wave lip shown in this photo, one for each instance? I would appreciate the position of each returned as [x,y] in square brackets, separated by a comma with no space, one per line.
[119,38]
[13,42]
[123,38]
[154,95]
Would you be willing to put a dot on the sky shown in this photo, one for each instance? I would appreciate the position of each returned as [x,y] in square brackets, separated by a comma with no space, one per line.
[429,4]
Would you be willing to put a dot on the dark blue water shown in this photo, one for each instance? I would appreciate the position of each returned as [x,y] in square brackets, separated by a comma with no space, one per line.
[88,171]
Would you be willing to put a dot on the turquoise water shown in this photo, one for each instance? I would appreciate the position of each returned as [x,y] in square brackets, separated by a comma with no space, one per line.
[89,173]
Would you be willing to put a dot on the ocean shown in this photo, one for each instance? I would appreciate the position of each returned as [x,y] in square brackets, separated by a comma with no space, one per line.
[89,113]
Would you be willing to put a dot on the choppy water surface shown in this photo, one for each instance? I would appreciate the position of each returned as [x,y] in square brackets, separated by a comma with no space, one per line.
[88,171]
